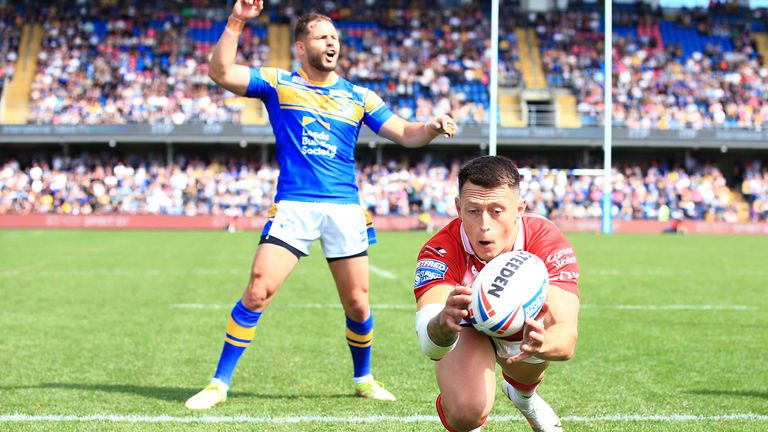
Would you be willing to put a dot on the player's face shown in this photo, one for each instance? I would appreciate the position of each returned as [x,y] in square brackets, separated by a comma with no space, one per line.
[490,218]
[321,47]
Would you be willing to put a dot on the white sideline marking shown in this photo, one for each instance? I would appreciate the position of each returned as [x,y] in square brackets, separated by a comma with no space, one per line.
[413,307]
[667,307]
[378,271]
[116,418]
[381,272]
[295,306]
[126,272]
[215,271]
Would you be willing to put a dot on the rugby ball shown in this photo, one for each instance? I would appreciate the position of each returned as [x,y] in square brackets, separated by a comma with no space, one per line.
[509,289]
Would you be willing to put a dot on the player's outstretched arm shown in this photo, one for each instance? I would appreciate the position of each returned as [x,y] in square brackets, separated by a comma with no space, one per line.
[553,336]
[439,312]
[223,70]
[412,134]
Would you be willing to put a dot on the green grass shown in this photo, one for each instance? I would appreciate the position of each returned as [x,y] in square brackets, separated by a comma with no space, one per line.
[88,327]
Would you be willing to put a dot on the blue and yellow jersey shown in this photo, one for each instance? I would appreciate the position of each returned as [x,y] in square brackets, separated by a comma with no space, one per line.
[316,126]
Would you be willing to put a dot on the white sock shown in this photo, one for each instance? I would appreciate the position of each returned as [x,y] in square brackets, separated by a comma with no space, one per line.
[525,395]
[220,383]
[364,378]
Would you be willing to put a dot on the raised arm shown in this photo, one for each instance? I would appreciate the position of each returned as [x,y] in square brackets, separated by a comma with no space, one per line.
[223,70]
[411,134]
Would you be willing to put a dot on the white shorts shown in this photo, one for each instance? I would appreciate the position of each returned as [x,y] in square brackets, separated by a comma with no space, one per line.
[507,349]
[341,228]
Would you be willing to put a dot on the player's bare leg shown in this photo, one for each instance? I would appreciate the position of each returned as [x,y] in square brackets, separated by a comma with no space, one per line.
[271,266]
[467,381]
[351,276]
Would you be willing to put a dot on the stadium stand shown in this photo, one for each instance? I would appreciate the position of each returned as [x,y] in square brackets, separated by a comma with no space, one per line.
[423,61]
[94,63]
[100,184]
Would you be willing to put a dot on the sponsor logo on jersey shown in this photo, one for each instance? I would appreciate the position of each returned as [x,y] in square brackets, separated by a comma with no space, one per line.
[346,110]
[340,92]
[299,80]
[434,251]
[565,276]
[562,257]
[309,120]
[317,143]
[428,270]
[432,264]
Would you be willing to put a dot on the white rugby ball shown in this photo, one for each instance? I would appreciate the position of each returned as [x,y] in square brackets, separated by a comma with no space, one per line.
[509,289]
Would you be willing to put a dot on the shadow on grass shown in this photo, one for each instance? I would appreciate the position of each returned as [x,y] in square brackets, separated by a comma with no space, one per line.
[742,393]
[171,394]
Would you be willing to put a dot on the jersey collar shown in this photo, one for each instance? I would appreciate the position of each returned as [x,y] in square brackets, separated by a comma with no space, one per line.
[519,241]
[333,78]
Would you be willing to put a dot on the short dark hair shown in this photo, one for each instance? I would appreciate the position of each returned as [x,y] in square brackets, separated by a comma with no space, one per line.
[301,30]
[490,172]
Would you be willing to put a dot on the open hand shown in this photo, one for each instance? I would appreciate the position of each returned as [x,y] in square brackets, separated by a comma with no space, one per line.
[533,340]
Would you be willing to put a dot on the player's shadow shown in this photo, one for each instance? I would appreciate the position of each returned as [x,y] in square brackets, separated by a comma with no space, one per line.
[742,393]
[170,394]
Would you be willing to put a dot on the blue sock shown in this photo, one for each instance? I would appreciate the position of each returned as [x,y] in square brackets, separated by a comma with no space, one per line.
[241,327]
[360,341]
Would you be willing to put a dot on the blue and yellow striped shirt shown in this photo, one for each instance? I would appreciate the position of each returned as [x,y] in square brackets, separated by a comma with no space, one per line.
[316,126]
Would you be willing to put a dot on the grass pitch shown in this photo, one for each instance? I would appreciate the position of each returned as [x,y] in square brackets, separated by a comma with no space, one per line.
[105,330]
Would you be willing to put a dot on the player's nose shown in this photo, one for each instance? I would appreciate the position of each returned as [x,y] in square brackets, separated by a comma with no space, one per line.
[485,222]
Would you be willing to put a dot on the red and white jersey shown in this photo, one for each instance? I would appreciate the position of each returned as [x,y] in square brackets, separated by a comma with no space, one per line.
[448,258]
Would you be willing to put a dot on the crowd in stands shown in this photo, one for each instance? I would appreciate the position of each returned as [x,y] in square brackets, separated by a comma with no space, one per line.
[700,71]
[10,35]
[137,64]
[147,62]
[754,187]
[424,62]
[715,79]
[572,57]
[87,184]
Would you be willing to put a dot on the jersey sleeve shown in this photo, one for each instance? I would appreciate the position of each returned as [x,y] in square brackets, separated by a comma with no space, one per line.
[263,83]
[438,263]
[376,111]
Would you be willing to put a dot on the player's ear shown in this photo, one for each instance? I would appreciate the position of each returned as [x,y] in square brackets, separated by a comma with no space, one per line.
[300,47]
[521,208]
[458,205]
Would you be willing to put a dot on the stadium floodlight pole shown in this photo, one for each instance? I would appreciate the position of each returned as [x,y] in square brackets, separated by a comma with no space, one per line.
[607,225]
[493,89]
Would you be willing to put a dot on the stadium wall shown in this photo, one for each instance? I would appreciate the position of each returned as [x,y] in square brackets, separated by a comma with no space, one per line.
[467,135]
[383,223]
